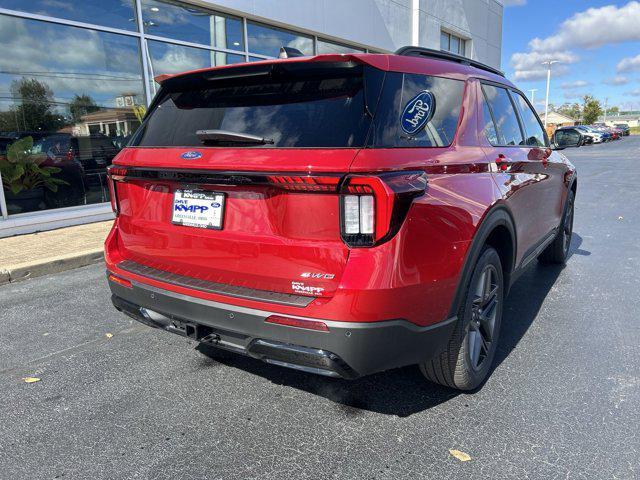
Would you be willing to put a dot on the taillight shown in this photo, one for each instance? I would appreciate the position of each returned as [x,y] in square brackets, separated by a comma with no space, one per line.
[115,174]
[305,183]
[372,208]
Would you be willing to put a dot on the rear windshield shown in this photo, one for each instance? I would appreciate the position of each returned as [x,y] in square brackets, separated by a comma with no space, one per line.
[305,105]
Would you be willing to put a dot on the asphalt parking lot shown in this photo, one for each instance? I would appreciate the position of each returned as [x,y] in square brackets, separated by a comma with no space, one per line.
[561,403]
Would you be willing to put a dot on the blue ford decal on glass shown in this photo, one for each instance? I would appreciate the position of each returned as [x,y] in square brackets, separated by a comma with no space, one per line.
[418,112]
[191,155]
[216,204]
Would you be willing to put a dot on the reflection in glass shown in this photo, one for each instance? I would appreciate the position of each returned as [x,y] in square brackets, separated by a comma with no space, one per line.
[329,47]
[109,13]
[265,40]
[65,111]
[191,24]
[170,58]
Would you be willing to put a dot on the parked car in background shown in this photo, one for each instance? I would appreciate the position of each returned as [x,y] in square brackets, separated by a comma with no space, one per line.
[595,135]
[572,134]
[626,131]
[340,215]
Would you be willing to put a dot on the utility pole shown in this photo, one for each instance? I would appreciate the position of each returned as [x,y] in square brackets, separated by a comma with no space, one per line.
[548,63]
[533,93]
[606,100]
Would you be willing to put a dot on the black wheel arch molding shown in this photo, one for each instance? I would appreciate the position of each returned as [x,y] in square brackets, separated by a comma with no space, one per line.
[497,218]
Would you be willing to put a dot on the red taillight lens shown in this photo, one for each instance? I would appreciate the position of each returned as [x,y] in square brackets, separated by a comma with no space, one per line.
[374,207]
[305,183]
[115,174]
[120,281]
[299,323]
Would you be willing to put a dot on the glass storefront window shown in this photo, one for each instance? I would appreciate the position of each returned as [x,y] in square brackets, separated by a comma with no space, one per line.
[170,58]
[69,100]
[330,47]
[265,40]
[109,13]
[191,24]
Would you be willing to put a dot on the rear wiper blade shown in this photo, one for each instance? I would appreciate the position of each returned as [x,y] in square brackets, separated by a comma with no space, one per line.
[225,136]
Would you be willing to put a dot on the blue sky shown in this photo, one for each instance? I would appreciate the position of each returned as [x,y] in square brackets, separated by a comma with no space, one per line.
[598,43]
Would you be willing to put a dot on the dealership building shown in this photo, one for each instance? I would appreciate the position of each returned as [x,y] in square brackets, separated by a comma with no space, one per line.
[76,76]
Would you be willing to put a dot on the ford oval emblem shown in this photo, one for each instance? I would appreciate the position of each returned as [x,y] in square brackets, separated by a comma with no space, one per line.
[418,111]
[192,155]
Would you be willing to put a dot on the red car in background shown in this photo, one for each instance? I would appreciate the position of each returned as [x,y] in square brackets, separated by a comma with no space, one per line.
[338,214]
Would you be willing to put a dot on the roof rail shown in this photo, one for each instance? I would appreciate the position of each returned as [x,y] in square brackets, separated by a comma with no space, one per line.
[410,51]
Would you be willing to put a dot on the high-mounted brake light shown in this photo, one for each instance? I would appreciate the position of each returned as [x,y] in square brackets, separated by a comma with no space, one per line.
[374,207]
[115,174]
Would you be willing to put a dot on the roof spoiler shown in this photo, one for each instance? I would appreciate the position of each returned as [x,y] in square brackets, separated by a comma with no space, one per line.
[410,51]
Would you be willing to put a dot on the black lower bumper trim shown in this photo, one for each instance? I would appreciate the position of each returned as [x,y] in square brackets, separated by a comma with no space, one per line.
[347,350]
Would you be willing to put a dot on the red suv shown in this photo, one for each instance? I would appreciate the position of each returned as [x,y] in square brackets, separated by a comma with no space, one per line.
[338,214]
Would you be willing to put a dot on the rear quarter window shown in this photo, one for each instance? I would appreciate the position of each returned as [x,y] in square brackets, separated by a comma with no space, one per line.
[398,93]
[504,115]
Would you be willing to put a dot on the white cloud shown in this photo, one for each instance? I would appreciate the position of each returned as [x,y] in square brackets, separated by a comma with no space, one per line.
[629,64]
[528,66]
[594,28]
[574,85]
[616,81]
[634,93]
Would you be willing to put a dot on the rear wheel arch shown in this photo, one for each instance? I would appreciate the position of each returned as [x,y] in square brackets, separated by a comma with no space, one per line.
[497,230]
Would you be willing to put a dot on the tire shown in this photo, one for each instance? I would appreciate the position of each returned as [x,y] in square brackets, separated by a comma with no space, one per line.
[557,252]
[466,361]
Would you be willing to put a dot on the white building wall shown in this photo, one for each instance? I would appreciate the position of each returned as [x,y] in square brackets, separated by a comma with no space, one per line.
[383,25]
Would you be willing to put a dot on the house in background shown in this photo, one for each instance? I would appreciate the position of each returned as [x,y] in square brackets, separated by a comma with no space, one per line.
[557,120]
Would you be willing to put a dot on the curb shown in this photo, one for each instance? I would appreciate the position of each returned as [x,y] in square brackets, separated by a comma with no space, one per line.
[57,264]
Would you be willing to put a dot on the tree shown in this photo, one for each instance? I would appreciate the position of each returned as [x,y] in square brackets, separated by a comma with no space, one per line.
[34,101]
[81,105]
[572,110]
[613,111]
[591,109]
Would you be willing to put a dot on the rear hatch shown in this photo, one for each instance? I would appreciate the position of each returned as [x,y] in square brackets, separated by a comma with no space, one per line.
[234,175]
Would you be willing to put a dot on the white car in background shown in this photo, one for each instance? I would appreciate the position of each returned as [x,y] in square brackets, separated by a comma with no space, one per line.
[596,135]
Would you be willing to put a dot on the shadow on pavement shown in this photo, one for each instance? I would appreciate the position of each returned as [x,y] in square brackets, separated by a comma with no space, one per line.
[404,391]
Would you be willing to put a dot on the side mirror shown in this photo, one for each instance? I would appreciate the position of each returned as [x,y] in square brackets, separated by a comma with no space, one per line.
[567,139]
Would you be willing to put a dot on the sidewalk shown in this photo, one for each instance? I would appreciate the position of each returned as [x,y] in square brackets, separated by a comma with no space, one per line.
[36,254]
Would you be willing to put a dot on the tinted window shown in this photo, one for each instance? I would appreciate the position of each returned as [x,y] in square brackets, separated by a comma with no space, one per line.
[295,105]
[533,130]
[507,125]
[569,136]
[399,91]
[489,127]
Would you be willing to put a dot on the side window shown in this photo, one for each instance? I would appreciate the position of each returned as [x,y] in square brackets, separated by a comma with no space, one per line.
[533,129]
[489,127]
[568,136]
[507,125]
[417,111]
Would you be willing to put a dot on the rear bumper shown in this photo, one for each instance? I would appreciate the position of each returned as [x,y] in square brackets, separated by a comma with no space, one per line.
[347,350]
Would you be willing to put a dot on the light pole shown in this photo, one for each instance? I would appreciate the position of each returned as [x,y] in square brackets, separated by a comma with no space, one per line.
[533,93]
[548,63]
[606,100]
